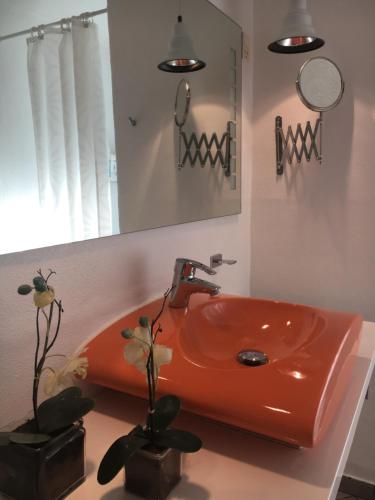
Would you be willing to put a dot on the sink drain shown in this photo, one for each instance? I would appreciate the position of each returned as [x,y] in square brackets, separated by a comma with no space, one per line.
[252,358]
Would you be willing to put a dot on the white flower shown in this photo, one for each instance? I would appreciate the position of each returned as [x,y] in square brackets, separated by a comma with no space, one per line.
[162,356]
[43,299]
[58,380]
[137,351]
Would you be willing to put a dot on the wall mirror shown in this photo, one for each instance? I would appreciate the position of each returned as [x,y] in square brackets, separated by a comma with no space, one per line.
[320,85]
[89,143]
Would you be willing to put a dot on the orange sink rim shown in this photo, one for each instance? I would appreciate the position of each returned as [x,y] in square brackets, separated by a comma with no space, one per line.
[293,398]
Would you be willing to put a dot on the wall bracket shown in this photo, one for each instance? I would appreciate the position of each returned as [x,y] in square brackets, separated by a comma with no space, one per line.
[299,144]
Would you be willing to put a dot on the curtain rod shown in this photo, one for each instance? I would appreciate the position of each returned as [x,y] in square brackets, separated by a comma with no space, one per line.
[29,31]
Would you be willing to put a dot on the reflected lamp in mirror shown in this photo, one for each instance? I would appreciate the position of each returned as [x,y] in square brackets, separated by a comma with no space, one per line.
[297,33]
[181,56]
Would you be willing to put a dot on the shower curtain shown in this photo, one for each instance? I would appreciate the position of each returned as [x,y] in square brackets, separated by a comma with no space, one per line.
[71,141]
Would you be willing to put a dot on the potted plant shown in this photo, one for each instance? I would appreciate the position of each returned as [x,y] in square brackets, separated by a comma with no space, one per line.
[43,459]
[151,454]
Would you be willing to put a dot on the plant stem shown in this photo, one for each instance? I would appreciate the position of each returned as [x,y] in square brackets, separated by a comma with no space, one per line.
[40,363]
[157,331]
[59,306]
[150,366]
[155,320]
[37,341]
[151,399]
[35,381]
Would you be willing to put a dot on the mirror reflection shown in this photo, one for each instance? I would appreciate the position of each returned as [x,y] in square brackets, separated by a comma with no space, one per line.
[169,174]
[182,103]
[62,177]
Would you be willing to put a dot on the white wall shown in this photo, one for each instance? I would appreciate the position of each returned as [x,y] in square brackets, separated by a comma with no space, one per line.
[100,279]
[313,237]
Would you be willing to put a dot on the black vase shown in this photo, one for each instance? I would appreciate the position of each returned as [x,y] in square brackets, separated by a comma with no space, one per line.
[152,475]
[47,472]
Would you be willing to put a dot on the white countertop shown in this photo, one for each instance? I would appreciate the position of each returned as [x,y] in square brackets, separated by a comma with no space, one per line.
[235,465]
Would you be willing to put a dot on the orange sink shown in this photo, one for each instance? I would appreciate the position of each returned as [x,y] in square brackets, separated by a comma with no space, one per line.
[306,355]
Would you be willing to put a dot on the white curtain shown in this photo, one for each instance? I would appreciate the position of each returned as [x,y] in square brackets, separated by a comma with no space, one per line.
[68,107]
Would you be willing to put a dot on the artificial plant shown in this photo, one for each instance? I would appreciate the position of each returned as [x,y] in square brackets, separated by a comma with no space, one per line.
[156,435]
[66,405]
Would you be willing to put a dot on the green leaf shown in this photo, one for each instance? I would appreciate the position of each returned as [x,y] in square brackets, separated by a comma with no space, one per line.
[166,410]
[26,438]
[24,289]
[69,393]
[179,440]
[22,438]
[63,410]
[118,455]
[40,284]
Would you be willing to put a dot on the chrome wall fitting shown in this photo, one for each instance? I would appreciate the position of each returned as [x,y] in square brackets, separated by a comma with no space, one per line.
[217,260]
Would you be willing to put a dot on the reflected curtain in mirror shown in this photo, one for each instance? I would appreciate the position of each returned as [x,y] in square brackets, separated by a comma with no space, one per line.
[68,108]
[63,178]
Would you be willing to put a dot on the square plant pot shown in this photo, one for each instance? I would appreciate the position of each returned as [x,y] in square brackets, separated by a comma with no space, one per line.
[152,475]
[47,472]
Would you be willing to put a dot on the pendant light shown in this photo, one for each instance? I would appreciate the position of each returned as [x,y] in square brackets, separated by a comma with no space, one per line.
[297,34]
[181,56]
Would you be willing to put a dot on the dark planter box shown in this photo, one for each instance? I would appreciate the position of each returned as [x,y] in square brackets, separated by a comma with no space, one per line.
[153,475]
[46,473]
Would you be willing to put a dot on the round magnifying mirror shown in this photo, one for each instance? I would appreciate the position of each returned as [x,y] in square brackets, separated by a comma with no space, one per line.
[320,84]
[182,103]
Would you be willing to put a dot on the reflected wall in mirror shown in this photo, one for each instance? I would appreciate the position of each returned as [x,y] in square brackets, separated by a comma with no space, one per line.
[59,179]
[154,188]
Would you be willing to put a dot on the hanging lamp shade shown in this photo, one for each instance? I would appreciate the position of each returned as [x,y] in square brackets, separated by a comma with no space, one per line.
[181,55]
[297,33]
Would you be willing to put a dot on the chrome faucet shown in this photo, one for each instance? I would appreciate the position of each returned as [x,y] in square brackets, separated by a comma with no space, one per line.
[185,283]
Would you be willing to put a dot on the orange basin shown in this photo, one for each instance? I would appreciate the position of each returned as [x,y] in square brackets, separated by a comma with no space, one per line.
[292,398]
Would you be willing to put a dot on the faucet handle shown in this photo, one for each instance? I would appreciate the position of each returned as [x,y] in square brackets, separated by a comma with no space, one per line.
[187,267]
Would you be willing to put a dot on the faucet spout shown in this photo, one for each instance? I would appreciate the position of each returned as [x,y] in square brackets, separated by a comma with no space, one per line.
[197,285]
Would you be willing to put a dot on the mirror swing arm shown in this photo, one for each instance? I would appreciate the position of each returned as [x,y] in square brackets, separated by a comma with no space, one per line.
[205,149]
[194,152]
[296,144]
